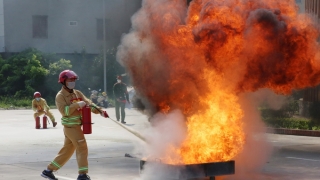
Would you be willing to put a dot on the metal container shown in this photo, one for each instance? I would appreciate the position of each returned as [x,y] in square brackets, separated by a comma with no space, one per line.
[191,171]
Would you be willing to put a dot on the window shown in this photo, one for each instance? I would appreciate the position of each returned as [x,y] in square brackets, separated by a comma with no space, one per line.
[40,27]
[73,23]
[100,29]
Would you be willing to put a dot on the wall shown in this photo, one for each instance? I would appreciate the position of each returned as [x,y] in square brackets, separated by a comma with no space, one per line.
[301,4]
[313,7]
[63,38]
[2,44]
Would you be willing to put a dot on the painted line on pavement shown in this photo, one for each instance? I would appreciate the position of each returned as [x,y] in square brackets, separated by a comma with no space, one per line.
[66,178]
[303,159]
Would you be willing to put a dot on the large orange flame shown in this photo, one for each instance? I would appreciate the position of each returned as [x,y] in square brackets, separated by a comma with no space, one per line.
[200,58]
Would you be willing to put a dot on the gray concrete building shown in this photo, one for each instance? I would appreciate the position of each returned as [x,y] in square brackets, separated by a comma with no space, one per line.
[63,26]
[301,4]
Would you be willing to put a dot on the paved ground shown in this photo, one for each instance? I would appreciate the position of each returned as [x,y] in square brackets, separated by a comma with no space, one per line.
[25,151]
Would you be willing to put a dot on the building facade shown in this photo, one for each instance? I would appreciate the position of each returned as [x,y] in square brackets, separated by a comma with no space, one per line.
[301,5]
[313,7]
[64,26]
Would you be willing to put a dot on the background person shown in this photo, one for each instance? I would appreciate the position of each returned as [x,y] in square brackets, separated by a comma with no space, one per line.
[40,107]
[94,96]
[69,102]
[121,96]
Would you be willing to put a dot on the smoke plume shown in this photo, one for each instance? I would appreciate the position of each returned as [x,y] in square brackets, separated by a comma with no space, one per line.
[207,59]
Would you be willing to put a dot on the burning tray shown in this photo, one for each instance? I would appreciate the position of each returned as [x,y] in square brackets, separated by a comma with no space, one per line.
[190,171]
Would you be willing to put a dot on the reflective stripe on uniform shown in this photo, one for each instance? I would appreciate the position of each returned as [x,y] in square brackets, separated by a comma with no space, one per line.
[66,110]
[93,107]
[71,120]
[83,169]
[55,164]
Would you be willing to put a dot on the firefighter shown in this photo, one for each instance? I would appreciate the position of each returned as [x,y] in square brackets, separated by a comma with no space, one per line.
[121,95]
[69,102]
[40,107]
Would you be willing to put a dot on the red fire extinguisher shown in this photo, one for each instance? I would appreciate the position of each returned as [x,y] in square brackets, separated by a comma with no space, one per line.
[38,122]
[86,120]
[44,122]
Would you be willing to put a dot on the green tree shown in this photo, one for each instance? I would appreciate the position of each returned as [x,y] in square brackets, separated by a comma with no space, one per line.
[23,74]
[90,70]
[51,84]
[31,70]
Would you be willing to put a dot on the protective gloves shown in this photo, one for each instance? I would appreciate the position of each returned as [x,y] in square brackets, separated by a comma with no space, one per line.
[81,104]
[104,114]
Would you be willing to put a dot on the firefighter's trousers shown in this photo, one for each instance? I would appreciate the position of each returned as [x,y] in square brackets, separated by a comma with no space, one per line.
[74,141]
[39,113]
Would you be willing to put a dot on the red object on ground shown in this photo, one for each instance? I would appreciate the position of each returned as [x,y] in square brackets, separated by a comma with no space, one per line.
[38,122]
[86,120]
[44,122]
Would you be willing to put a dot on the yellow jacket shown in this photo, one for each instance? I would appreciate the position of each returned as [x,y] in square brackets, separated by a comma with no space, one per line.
[40,105]
[67,105]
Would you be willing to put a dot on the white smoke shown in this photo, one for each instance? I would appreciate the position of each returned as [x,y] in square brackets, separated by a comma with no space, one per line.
[256,150]
[167,130]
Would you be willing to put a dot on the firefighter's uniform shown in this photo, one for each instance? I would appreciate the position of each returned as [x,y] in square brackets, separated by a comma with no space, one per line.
[66,103]
[41,107]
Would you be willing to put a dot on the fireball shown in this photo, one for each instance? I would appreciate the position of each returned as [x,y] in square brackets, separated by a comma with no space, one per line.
[200,58]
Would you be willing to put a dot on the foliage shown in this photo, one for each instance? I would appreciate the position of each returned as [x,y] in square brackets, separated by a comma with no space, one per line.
[22,73]
[51,83]
[91,72]
[284,117]
[290,108]
[290,123]
[31,70]
[28,71]
[10,102]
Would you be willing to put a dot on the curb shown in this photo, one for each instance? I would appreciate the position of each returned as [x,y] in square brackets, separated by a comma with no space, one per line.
[296,132]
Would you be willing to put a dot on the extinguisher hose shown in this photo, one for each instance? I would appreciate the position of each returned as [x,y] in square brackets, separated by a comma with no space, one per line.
[130,130]
[123,126]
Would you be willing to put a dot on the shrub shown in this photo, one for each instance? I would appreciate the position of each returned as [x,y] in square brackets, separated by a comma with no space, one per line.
[12,102]
[290,108]
[7,102]
[291,123]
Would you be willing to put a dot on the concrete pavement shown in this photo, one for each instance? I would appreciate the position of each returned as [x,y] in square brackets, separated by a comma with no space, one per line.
[25,151]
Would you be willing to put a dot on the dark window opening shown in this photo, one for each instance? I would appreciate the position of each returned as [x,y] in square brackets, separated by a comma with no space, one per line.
[100,29]
[40,27]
